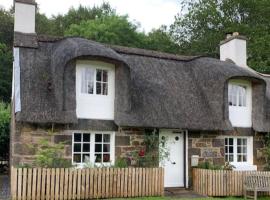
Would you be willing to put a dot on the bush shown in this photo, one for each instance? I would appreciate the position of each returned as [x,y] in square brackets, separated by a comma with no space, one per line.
[208,165]
[51,155]
[4,129]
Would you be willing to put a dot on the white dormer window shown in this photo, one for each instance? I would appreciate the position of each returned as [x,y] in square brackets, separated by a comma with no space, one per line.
[95,82]
[240,103]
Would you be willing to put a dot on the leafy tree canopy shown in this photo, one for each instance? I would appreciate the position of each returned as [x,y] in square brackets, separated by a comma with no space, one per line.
[5,72]
[118,30]
[205,22]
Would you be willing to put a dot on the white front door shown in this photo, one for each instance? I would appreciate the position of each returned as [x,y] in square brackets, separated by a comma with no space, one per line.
[174,165]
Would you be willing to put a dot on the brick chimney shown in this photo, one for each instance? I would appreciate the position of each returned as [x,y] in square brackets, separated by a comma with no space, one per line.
[234,48]
[24,17]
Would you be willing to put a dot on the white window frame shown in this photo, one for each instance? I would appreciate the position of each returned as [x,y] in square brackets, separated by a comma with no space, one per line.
[242,165]
[241,116]
[95,106]
[92,147]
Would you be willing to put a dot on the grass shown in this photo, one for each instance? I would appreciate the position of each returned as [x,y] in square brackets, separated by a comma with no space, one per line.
[171,198]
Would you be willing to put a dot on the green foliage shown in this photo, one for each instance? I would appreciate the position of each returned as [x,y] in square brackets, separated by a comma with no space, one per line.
[121,163]
[108,29]
[208,165]
[6,28]
[153,153]
[4,129]
[57,25]
[202,24]
[51,155]
[5,73]
[267,150]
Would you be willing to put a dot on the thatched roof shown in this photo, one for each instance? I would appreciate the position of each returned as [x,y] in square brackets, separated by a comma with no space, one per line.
[153,89]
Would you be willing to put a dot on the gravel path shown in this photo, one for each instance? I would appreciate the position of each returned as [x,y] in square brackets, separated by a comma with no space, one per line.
[4,187]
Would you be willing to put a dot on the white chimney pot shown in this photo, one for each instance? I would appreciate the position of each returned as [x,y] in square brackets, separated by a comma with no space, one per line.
[234,47]
[24,19]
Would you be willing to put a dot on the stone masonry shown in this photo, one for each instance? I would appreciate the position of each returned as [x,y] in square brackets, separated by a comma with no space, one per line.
[26,140]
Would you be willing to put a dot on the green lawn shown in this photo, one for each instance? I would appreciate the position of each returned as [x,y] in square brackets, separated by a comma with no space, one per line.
[171,198]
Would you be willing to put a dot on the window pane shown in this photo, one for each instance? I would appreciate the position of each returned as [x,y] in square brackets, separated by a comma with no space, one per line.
[105,76]
[77,148]
[87,83]
[239,158]
[98,88]
[86,147]
[239,141]
[98,138]
[77,158]
[86,137]
[239,149]
[106,138]
[244,141]
[98,148]
[99,74]
[231,141]
[90,87]
[98,158]
[105,88]
[86,157]
[244,158]
[230,158]
[230,149]
[106,158]
[226,141]
[77,137]
[106,148]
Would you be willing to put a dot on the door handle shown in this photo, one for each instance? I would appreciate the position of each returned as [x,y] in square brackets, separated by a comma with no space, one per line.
[173,163]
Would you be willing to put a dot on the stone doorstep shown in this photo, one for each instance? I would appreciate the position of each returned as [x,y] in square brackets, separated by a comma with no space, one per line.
[181,193]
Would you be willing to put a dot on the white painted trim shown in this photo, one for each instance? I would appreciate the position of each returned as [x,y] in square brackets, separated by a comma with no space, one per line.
[240,166]
[92,106]
[187,166]
[16,82]
[241,116]
[92,146]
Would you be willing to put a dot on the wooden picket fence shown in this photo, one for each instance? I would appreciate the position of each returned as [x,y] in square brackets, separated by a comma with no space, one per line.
[65,183]
[221,182]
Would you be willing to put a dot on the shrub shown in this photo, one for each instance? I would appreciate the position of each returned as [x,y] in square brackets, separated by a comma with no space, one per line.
[51,155]
[4,129]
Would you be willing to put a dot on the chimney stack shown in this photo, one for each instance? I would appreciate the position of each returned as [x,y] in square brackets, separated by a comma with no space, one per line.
[24,17]
[234,47]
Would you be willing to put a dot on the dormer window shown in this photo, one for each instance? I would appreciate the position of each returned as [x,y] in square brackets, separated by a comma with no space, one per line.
[237,95]
[240,103]
[95,86]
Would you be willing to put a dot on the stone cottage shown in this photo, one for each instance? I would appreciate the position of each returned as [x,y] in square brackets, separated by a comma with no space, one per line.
[102,100]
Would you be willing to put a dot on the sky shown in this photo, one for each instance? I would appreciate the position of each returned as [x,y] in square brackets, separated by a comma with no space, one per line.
[148,13]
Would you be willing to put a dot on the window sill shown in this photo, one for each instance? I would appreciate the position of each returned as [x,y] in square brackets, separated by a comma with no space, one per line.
[244,167]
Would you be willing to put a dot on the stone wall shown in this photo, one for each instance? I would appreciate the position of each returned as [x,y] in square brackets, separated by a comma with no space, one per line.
[259,157]
[209,146]
[26,141]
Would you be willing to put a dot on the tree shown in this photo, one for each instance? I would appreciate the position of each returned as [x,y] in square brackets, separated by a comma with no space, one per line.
[4,129]
[6,28]
[160,40]
[111,29]
[5,73]
[61,23]
[205,22]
